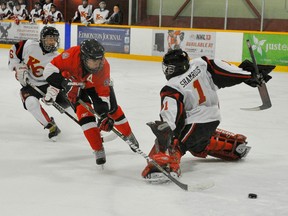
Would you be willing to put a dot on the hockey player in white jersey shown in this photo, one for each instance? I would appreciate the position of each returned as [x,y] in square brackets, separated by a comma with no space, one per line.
[46,9]
[55,15]
[36,13]
[28,59]
[83,13]
[19,13]
[100,14]
[190,112]
[5,12]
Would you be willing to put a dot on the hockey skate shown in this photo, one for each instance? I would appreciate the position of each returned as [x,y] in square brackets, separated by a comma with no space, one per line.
[54,131]
[156,177]
[100,157]
[170,163]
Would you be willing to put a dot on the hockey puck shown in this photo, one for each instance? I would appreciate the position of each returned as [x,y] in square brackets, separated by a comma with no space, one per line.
[252,196]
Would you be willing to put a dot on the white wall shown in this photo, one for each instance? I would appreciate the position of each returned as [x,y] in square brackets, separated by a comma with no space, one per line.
[228,44]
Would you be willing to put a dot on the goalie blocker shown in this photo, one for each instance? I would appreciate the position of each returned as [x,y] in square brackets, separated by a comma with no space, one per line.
[168,150]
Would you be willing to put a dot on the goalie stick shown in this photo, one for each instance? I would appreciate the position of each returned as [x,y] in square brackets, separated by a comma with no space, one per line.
[264,95]
[186,187]
[107,138]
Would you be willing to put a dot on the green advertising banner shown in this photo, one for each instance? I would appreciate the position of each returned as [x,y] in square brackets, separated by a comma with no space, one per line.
[268,48]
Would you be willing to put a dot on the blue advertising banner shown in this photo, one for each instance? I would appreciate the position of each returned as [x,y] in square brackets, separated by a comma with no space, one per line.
[115,40]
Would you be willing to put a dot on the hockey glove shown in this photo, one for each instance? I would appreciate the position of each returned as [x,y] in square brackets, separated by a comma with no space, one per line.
[105,123]
[163,133]
[51,95]
[72,89]
[264,70]
[21,74]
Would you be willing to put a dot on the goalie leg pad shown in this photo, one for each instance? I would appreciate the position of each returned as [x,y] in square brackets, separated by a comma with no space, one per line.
[169,161]
[227,145]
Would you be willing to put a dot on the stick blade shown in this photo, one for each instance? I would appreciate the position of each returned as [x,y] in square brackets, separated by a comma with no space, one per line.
[262,107]
[264,95]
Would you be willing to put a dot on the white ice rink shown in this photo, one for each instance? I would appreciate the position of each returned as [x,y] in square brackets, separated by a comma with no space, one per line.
[42,178]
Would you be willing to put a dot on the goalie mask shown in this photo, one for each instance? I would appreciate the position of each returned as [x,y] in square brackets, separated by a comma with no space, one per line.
[175,62]
[49,39]
[92,55]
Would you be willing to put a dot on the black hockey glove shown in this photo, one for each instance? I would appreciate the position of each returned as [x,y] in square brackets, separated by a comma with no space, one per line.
[72,89]
[163,133]
[264,70]
[105,123]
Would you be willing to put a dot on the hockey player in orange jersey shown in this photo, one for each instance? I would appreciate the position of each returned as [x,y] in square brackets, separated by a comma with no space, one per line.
[84,73]
[190,112]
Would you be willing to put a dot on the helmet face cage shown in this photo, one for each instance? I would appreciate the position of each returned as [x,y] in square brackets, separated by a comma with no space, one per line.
[49,39]
[175,62]
[92,53]
[168,69]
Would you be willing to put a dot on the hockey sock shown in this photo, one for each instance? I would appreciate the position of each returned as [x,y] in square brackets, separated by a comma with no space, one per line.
[32,104]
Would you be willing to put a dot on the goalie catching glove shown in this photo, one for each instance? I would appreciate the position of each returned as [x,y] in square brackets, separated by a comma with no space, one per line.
[21,74]
[264,70]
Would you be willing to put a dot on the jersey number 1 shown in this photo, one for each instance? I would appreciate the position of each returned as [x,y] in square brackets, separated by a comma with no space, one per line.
[197,86]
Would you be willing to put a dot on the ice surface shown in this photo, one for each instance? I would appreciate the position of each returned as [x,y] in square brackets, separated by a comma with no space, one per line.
[42,178]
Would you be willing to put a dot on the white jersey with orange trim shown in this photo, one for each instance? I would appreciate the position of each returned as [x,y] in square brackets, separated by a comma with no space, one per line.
[100,16]
[20,14]
[36,15]
[193,93]
[30,53]
[57,16]
[46,9]
[5,14]
[84,13]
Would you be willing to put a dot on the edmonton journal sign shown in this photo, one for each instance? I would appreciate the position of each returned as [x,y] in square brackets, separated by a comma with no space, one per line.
[114,40]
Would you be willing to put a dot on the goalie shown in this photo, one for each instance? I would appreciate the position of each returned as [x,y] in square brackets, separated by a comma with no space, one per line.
[190,112]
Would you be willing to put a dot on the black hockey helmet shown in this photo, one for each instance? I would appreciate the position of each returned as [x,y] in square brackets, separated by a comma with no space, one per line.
[175,62]
[49,39]
[92,55]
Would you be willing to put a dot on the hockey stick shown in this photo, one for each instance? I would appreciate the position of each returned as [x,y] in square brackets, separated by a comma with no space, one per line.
[107,138]
[196,187]
[55,104]
[264,95]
